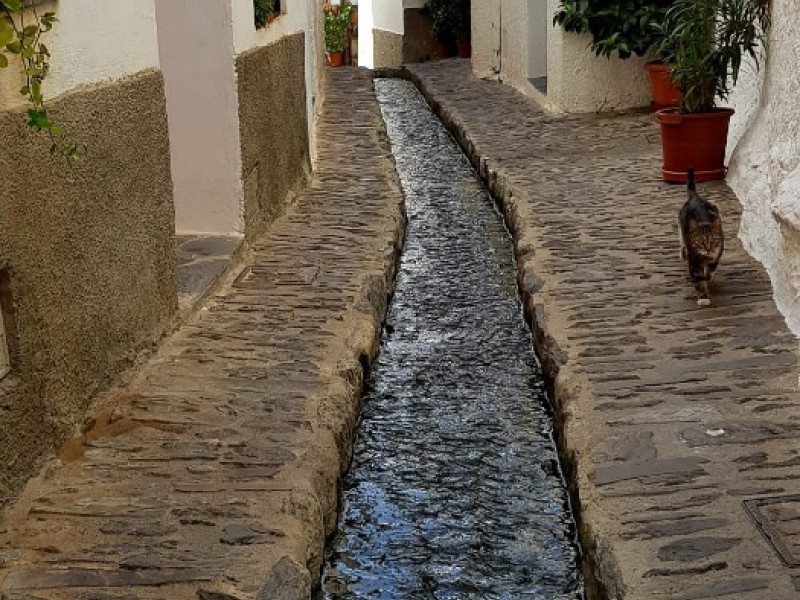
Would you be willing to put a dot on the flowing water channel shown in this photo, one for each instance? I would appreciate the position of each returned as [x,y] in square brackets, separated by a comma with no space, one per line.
[455,490]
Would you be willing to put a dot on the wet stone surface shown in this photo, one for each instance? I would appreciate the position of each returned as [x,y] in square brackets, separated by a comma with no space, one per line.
[454,491]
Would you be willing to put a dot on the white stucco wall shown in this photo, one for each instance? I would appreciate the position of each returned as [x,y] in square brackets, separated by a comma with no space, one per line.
[247,37]
[366,40]
[765,165]
[94,41]
[486,38]
[388,15]
[506,36]
[197,59]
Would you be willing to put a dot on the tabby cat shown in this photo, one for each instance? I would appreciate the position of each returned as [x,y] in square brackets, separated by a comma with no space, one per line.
[702,241]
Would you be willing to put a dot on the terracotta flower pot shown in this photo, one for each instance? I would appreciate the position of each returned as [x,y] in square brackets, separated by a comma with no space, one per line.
[442,50]
[694,140]
[336,59]
[665,93]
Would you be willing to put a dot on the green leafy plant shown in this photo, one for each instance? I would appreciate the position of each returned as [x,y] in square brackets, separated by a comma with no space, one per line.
[450,19]
[264,11]
[337,24]
[627,27]
[706,42]
[21,38]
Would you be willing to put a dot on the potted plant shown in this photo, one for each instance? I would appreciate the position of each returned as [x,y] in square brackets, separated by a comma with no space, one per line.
[706,42]
[445,19]
[625,28]
[464,28]
[337,26]
[265,12]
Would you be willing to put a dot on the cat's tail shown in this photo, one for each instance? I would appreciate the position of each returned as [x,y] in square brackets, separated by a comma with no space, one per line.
[690,183]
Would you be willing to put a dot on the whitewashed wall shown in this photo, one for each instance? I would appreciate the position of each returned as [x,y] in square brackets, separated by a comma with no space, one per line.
[388,15]
[765,164]
[505,37]
[94,41]
[196,45]
[579,81]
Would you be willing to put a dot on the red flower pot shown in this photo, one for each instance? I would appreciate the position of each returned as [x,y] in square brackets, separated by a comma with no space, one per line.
[336,59]
[694,140]
[665,93]
[442,50]
[464,49]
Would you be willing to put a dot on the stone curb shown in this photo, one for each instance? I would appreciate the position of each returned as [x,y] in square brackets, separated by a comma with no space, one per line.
[599,568]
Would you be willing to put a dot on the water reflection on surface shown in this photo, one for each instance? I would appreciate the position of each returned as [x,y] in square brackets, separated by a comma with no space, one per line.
[454,491]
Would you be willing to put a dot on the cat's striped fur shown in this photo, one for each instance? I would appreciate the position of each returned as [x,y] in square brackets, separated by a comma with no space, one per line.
[702,241]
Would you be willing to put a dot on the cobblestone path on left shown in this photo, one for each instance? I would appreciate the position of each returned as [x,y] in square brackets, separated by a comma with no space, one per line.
[213,476]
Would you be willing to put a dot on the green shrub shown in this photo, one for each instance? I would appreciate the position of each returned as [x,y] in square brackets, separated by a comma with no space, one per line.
[264,10]
[337,25]
[627,27]
[706,41]
[450,19]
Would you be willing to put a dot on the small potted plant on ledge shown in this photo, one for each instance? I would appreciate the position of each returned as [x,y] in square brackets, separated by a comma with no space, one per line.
[706,42]
[337,27]
[265,12]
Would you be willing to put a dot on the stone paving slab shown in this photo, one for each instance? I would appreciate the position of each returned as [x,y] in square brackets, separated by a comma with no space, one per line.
[214,475]
[680,425]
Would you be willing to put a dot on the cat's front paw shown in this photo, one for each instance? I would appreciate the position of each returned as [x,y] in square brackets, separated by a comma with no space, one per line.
[703,302]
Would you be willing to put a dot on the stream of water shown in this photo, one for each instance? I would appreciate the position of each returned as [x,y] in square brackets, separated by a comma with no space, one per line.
[455,490]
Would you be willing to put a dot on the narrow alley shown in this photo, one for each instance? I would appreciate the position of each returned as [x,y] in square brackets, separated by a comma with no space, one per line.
[677,424]
[384,300]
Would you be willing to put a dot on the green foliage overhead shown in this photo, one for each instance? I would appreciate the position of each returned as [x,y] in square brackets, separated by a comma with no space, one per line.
[21,39]
[706,42]
[337,25]
[264,9]
[625,26]
[450,19]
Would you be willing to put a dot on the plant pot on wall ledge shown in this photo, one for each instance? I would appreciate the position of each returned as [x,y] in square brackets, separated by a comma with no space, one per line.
[665,93]
[695,140]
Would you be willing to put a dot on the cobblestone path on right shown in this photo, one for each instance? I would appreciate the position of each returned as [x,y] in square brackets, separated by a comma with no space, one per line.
[681,423]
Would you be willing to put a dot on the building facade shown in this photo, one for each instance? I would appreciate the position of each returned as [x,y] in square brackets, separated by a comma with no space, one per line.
[190,119]
[87,271]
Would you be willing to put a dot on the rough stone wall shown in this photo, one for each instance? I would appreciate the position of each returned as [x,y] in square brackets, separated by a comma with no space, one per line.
[765,166]
[89,260]
[388,48]
[273,127]
[418,42]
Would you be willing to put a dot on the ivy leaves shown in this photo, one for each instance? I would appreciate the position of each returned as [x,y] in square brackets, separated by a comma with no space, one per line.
[24,42]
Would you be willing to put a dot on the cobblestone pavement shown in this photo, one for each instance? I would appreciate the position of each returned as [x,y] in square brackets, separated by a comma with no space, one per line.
[214,475]
[681,423]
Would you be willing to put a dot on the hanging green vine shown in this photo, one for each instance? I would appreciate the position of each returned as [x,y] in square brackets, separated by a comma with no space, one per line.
[21,37]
